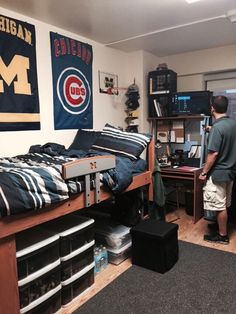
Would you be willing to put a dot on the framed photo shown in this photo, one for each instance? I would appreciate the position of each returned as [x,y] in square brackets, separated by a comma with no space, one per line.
[108,83]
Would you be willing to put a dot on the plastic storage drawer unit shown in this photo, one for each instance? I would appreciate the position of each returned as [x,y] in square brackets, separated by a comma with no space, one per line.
[35,249]
[74,232]
[47,304]
[32,289]
[155,245]
[73,263]
[75,285]
[116,256]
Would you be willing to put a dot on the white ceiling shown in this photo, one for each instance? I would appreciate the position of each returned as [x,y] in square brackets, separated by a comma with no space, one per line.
[161,27]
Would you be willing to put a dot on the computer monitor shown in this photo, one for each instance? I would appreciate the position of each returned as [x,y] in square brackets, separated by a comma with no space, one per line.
[191,103]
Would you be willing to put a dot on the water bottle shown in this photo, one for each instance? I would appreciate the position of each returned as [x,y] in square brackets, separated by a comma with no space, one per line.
[101,258]
[105,256]
[97,267]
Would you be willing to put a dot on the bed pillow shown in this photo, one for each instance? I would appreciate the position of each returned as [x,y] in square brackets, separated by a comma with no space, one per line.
[84,139]
[115,141]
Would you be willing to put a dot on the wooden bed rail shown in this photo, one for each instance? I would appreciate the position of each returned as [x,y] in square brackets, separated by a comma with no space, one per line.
[13,224]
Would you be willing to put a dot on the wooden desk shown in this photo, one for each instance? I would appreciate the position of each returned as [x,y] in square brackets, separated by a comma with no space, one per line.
[191,174]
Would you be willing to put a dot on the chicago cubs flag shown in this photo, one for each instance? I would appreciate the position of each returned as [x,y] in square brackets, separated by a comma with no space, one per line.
[19,104]
[72,83]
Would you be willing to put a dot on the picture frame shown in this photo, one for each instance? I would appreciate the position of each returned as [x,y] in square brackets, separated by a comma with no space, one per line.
[108,83]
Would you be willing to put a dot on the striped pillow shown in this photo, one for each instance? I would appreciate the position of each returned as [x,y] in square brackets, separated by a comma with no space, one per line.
[115,141]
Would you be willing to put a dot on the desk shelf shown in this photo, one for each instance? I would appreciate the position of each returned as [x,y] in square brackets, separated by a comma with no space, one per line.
[188,117]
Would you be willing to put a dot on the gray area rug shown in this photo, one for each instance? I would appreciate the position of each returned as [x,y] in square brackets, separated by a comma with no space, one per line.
[202,281]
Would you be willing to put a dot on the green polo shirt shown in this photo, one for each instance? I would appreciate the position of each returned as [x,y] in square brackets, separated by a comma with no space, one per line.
[222,139]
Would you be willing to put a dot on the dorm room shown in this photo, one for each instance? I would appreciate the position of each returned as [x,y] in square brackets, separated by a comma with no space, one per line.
[122,63]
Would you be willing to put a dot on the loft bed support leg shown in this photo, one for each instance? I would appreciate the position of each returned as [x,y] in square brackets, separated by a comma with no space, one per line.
[9,294]
[151,163]
[87,190]
[97,187]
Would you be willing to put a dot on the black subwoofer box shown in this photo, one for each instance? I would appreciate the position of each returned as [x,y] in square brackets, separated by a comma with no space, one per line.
[155,245]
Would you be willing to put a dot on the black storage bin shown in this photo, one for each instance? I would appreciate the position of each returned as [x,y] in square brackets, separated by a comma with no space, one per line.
[155,245]
[72,264]
[77,284]
[50,304]
[46,283]
[35,249]
[74,231]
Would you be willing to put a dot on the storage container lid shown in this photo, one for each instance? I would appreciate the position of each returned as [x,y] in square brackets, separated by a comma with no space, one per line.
[33,239]
[67,225]
[121,249]
[154,228]
[108,227]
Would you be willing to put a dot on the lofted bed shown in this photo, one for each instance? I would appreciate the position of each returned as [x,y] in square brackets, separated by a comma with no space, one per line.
[85,167]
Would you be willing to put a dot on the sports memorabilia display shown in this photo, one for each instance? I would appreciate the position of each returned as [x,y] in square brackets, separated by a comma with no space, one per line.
[72,83]
[19,103]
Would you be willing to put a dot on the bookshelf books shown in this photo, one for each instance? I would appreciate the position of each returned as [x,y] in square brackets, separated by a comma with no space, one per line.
[157,108]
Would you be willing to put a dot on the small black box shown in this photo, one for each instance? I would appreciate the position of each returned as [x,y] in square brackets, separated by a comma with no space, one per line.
[155,245]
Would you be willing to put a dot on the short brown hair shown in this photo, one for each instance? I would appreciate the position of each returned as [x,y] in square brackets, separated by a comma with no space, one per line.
[220,104]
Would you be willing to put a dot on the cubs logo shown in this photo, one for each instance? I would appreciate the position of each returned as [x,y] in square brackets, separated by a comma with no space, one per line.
[73,91]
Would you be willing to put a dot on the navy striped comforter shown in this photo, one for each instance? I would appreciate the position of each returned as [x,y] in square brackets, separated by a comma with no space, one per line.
[32,181]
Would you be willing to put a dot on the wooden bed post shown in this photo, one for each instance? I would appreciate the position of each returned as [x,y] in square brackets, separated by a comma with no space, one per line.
[9,295]
[151,164]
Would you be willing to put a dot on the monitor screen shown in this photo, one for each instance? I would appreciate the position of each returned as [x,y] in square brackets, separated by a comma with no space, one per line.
[190,103]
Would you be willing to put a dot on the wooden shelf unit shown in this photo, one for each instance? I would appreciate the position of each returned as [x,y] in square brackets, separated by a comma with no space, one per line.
[188,117]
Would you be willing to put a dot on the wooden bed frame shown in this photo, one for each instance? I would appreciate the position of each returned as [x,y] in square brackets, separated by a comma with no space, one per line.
[9,226]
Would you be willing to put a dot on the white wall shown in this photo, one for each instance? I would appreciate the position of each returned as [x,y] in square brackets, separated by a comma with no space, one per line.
[190,67]
[106,108]
[135,65]
[139,64]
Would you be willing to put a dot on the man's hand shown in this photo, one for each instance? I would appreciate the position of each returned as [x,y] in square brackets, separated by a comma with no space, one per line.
[202,177]
[206,128]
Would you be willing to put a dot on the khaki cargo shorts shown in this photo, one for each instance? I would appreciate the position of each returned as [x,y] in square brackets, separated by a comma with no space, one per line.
[217,196]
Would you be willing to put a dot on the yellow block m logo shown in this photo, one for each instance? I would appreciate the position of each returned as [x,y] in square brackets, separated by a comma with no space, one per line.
[17,68]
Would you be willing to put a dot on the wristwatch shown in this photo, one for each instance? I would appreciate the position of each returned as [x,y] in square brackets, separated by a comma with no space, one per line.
[203,174]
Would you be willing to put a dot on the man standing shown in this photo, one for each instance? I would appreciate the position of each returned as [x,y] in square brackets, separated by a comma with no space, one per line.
[219,170]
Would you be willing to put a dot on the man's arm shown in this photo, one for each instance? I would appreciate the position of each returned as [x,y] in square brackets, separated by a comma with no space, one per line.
[211,158]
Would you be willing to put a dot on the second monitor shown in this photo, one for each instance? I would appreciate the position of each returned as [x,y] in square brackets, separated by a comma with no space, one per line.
[188,103]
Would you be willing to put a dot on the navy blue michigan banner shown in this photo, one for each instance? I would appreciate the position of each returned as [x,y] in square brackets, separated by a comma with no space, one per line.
[72,83]
[19,103]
